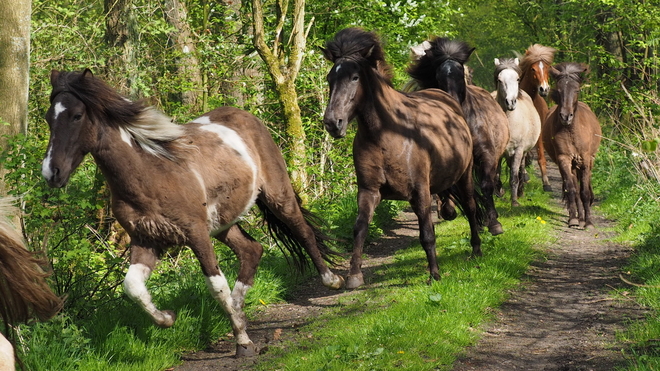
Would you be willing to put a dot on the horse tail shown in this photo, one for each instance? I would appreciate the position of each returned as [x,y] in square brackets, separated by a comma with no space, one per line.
[288,241]
[24,292]
[459,198]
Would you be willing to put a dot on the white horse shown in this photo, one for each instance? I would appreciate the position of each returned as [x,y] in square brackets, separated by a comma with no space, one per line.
[524,122]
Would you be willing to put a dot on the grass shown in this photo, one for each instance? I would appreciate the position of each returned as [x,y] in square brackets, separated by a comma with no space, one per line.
[402,322]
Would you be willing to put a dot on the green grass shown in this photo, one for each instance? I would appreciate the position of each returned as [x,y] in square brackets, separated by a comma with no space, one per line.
[403,322]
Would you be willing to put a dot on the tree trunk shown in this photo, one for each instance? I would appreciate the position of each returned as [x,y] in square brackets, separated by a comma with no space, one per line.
[188,68]
[284,69]
[122,33]
[14,66]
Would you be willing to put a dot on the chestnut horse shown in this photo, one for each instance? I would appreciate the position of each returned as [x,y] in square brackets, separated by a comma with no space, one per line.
[407,146]
[571,137]
[442,66]
[175,185]
[535,65]
[24,292]
[524,122]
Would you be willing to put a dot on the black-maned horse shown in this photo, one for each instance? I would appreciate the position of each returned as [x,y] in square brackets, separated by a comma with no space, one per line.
[442,67]
[407,146]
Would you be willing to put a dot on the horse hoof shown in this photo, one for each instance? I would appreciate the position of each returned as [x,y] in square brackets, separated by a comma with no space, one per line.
[448,212]
[246,350]
[354,281]
[515,203]
[495,229]
[573,223]
[167,320]
[547,188]
[476,253]
[336,283]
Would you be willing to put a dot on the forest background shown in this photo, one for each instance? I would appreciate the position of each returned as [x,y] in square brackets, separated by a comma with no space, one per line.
[187,57]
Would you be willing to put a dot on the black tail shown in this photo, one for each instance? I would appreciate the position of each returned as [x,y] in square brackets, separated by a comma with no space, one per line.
[289,243]
[459,199]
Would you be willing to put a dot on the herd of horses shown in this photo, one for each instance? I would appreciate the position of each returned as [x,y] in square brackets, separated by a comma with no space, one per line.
[179,184]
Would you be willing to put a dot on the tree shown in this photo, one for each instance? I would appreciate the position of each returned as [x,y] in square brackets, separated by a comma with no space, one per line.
[283,68]
[122,33]
[14,65]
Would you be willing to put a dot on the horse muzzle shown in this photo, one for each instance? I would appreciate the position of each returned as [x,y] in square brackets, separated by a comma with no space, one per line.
[544,90]
[511,104]
[566,119]
[336,127]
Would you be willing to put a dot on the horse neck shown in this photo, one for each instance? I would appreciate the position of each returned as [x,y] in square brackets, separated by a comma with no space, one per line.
[379,101]
[528,85]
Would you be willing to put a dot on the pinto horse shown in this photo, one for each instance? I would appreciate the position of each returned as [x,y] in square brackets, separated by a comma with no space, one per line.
[535,65]
[524,121]
[175,185]
[571,137]
[24,292]
[442,66]
[407,146]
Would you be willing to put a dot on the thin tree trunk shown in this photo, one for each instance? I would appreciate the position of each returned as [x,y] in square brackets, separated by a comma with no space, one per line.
[284,69]
[122,33]
[188,68]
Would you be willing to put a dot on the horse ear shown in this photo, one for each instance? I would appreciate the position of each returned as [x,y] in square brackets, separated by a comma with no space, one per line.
[86,72]
[54,75]
[368,53]
[516,61]
[327,54]
[554,72]
[497,61]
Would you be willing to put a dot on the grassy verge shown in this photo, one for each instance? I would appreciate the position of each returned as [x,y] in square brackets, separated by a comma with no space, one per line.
[403,322]
[632,201]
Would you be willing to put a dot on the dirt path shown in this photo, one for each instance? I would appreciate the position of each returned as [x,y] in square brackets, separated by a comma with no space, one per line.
[561,317]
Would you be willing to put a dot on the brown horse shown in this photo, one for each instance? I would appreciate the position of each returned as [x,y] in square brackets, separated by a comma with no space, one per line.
[535,65]
[407,146]
[24,292]
[442,66]
[177,184]
[571,137]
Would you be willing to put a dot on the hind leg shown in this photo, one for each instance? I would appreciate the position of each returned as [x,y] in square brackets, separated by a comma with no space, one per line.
[143,261]
[466,191]
[488,169]
[543,166]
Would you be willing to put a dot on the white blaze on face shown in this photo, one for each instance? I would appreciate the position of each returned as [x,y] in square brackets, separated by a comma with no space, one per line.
[46,172]
[58,109]
[509,85]
[544,84]
[338,68]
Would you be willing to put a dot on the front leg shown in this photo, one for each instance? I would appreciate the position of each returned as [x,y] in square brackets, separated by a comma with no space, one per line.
[570,189]
[367,202]
[143,261]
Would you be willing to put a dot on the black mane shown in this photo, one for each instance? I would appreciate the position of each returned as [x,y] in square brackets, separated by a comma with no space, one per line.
[360,46]
[442,49]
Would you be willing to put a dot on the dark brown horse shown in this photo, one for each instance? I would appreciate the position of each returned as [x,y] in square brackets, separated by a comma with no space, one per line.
[24,292]
[442,66]
[407,146]
[535,66]
[571,137]
[177,184]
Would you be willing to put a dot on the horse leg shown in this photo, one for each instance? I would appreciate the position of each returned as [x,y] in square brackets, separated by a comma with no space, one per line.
[219,287]
[540,150]
[499,187]
[367,202]
[570,189]
[421,205]
[143,261]
[286,208]
[515,165]
[466,195]
[488,169]
[587,196]
[249,254]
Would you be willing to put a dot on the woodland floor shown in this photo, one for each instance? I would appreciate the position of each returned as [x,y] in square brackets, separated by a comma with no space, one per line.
[560,317]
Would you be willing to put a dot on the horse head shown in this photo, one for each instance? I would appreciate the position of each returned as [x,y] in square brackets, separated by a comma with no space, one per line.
[507,80]
[356,55]
[70,129]
[537,61]
[568,77]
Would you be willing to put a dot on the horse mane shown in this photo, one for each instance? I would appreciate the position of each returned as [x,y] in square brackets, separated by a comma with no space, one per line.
[441,50]
[150,128]
[506,63]
[360,46]
[24,292]
[537,53]
[572,70]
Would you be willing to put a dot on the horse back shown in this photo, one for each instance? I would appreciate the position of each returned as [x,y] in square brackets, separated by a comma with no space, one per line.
[488,123]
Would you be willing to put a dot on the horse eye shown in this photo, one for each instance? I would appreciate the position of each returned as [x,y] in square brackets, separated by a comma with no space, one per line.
[356,78]
[77,117]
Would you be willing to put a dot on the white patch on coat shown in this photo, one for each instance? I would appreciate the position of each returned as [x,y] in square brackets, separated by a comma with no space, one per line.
[202,120]
[58,109]
[234,141]
[220,291]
